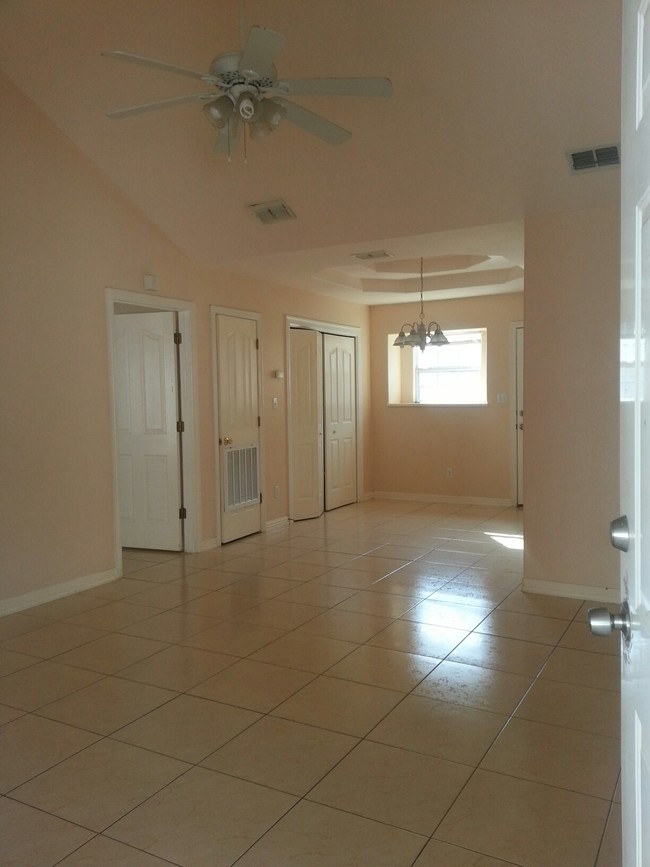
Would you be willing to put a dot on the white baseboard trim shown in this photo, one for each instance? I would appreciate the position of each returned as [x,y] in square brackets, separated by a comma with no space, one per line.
[572,591]
[277,524]
[442,498]
[56,591]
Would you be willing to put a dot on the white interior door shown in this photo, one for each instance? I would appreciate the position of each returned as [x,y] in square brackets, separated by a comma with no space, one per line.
[635,430]
[339,370]
[146,411]
[238,413]
[307,479]
[519,365]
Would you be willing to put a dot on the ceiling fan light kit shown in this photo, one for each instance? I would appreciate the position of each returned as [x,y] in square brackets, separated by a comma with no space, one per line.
[252,97]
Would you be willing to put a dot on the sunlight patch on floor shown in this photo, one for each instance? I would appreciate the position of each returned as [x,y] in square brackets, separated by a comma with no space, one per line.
[512,541]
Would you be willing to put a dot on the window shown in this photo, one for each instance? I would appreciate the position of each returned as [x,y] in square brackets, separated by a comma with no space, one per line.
[443,375]
[453,373]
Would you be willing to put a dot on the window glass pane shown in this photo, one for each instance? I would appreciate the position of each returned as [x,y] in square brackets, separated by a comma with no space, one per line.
[454,373]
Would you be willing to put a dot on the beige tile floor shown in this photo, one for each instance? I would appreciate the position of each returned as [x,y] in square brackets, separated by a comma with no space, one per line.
[368,688]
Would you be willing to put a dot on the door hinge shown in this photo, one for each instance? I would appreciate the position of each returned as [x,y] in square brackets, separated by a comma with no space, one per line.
[180,426]
[257,343]
[259,421]
[178,337]
[182,513]
[260,499]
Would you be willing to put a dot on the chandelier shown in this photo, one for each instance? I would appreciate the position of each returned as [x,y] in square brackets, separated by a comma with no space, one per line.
[420,334]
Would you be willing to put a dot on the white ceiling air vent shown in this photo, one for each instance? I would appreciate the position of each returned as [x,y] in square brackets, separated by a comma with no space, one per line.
[272,212]
[601,157]
[372,254]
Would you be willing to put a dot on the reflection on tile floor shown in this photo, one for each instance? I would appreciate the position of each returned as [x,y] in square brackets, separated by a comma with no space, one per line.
[368,688]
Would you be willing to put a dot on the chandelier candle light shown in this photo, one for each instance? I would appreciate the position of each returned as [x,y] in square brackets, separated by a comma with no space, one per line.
[420,334]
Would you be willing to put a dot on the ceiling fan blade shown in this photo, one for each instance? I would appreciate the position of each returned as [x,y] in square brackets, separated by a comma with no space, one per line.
[154,106]
[261,49]
[158,64]
[227,139]
[336,86]
[314,123]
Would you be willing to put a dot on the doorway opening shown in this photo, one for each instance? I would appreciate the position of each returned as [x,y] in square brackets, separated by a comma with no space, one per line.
[151,355]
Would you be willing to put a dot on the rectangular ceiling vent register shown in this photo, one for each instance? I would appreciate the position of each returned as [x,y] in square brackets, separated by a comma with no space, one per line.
[601,157]
[272,212]
[371,254]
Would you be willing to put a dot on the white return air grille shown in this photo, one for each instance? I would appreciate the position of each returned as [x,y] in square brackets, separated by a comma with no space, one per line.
[242,486]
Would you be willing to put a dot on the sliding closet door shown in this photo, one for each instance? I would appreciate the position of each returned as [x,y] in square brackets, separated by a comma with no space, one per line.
[307,480]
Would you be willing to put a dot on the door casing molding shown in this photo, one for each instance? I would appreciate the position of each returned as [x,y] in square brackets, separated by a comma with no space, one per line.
[514,469]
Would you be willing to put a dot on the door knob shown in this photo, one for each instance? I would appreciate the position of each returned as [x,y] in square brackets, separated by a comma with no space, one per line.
[227,441]
[619,533]
[603,622]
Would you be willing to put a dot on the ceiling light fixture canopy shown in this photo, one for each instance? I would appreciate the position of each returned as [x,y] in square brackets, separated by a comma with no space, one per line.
[420,335]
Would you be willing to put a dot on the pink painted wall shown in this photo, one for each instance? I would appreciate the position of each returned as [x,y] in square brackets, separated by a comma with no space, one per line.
[67,235]
[414,445]
[571,382]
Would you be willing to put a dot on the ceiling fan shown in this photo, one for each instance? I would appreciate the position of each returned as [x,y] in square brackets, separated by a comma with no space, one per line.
[252,96]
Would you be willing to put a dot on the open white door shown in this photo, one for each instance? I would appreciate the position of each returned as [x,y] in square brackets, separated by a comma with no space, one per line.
[631,532]
[238,407]
[339,367]
[146,407]
[306,460]
[635,430]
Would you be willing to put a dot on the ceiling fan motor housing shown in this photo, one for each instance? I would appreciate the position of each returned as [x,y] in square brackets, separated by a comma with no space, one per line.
[225,68]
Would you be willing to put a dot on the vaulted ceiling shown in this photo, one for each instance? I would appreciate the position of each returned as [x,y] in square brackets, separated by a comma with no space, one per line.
[488,98]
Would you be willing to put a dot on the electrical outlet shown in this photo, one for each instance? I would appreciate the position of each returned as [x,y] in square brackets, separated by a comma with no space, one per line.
[450,472]
[276,491]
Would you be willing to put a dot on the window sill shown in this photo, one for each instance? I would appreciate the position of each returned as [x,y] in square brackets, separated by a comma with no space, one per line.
[429,405]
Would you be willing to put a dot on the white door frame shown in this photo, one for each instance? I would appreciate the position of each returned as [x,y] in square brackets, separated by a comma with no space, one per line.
[241,314]
[189,405]
[514,421]
[341,331]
